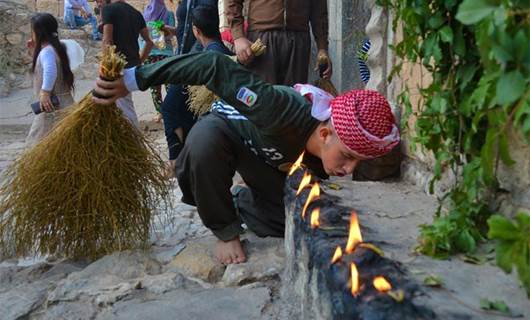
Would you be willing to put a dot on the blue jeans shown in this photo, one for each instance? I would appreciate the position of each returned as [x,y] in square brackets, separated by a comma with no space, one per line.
[73,21]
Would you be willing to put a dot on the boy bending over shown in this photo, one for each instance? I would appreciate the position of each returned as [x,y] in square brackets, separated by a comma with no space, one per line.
[259,130]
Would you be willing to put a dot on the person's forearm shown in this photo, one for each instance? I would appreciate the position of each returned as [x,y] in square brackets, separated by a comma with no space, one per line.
[107,35]
[87,8]
[146,50]
[263,104]
[318,18]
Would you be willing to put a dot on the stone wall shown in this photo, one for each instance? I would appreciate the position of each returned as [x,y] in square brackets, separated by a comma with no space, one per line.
[14,57]
[347,22]
[418,166]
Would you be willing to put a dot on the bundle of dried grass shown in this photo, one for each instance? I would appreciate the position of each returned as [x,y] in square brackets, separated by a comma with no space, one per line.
[324,84]
[200,99]
[87,189]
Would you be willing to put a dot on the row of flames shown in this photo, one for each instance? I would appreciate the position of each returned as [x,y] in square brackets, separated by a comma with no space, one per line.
[354,236]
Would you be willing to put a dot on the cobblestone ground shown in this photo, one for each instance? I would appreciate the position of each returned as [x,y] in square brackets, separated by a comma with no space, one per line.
[178,278]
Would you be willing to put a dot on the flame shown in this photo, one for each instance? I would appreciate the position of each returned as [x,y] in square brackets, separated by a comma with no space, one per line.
[381,284]
[337,255]
[297,164]
[355,233]
[313,194]
[306,180]
[354,280]
[314,218]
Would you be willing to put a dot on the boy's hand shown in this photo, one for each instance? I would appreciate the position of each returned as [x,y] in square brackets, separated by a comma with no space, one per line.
[243,51]
[110,90]
[168,30]
[328,71]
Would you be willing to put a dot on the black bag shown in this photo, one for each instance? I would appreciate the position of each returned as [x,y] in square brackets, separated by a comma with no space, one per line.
[35,106]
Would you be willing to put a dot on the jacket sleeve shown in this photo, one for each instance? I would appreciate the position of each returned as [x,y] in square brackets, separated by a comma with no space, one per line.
[234,15]
[270,108]
[318,18]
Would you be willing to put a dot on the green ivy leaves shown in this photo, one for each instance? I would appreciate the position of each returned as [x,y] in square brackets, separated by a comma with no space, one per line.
[472,11]
[510,87]
[513,244]
[478,53]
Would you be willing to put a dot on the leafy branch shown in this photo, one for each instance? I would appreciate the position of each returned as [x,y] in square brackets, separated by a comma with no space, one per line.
[478,54]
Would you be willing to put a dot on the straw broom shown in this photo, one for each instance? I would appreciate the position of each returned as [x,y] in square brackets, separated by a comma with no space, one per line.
[324,84]
[87,189]
[200,98]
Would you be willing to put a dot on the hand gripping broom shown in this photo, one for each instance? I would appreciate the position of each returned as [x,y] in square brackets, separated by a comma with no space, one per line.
[322,83]
[87,189]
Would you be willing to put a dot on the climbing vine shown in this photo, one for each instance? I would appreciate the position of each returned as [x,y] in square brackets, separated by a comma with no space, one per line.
[478,53]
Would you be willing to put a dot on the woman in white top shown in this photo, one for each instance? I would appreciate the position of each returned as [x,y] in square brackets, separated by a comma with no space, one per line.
[52,74]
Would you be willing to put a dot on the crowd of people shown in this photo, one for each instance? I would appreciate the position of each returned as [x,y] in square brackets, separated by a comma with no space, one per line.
[266,115]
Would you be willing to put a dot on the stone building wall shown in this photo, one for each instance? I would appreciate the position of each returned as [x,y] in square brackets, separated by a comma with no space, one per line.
[14,57]
[418,166]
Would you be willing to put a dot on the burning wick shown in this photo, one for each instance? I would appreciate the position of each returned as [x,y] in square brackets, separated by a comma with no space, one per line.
[381,284]
[314,218]
[313,194]
[354,280]
[306,180]
[297,164]
[337,255]
[354,236]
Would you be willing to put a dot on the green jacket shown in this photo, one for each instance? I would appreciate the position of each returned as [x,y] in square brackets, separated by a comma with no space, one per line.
[275,122]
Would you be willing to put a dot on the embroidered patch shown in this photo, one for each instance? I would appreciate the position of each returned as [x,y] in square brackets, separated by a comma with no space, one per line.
[247,96]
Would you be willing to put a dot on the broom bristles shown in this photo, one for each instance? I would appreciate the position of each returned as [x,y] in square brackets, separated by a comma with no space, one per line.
[200,99]
[326,85]
[89,188]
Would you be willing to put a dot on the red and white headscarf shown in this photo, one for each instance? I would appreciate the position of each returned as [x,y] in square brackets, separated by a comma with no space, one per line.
[362,119]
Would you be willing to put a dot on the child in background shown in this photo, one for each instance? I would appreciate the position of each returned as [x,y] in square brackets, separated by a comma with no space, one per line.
[52,74]
[178,120]
[154,14]
[122,24]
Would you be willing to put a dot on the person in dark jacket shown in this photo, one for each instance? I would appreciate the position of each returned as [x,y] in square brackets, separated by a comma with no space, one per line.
[259,130]
[178,120]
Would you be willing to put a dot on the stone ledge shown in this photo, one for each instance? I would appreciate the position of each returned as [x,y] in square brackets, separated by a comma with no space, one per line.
[324,289]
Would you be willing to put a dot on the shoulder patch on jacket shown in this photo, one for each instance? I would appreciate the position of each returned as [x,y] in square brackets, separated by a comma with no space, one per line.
[247,96]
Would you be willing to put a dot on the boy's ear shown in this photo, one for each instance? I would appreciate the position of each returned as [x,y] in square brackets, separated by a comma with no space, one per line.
[196,30]
[324,132]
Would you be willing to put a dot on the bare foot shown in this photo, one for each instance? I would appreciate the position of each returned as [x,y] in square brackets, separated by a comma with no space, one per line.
[230,252]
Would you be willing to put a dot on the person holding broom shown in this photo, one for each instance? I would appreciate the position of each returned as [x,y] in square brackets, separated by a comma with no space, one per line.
[259,130]
[284,28]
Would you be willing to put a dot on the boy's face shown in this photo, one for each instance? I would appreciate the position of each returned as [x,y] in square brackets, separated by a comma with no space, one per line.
[336,158]
[194,30]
